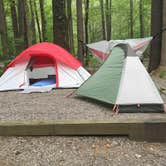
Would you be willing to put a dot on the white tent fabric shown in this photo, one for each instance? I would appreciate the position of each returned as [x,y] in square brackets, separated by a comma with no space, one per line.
[100,46]
[31,89]
[104,47]
[14,77]
[136,85]
[17,77]
[99,49]
[70,78]
[138,45]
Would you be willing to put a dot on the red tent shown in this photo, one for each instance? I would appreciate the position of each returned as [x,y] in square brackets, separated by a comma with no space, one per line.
[48,54]
[43,61]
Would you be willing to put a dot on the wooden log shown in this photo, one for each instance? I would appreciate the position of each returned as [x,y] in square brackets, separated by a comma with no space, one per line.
[151,130]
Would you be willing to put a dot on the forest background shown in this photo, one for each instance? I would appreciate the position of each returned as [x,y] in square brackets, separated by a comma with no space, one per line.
[74,23]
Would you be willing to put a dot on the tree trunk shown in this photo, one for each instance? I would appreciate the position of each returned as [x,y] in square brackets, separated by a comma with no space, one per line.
[103,19]
[43,20]
[69,26]
[14,18]
[27,24]
[80,33]
[163,50]
[86,26]
[15,25]
[156,25]
[37,21]
[131,19]
[33,34]
[59,22]
[141,11]
[23,24]
[108,18]
[3,30]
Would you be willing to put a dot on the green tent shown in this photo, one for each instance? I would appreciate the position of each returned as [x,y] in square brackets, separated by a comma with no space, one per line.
[123,81]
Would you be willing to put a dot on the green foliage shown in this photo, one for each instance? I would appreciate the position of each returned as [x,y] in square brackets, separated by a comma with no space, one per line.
[1,71]
[3,64]
[49,27]
[9,27]
[93,62]
[6,62]
[162,74]
[120,21]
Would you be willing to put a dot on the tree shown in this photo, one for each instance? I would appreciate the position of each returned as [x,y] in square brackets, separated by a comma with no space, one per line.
[23,24]
[108,18]
[37,21]
[3,30]
[31,20]
[102,19]
[69,26]
[33,34]
[43,20]
[156,26]
[86,24]
[131,19]
[59,22]
[163,50]
[80,32]
[141,15]
[14,18]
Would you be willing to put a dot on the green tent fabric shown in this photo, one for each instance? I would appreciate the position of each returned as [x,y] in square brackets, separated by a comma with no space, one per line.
[123,80]
[104,84]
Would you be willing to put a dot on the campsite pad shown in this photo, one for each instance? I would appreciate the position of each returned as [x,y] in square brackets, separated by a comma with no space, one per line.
[55,114]
[67,151]
[15,106]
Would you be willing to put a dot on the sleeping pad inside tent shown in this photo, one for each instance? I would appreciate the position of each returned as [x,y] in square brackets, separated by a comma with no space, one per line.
[44,82]
[123,82]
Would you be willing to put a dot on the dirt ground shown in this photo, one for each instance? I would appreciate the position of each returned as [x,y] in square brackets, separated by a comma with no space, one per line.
[71,151]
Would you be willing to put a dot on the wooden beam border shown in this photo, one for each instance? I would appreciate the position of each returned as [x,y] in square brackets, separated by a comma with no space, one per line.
[151,130]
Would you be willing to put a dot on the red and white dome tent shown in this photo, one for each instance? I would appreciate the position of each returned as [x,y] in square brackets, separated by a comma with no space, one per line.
[42,67]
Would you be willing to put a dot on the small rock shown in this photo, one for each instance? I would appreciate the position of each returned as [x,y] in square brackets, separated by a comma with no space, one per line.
[61,160]
[138,156]
[107,145]
[126,155]
[114,143]
[151,149]
[17,153]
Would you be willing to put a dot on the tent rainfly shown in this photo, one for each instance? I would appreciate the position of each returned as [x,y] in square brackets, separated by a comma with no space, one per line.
[102,48]
[42,67]
[123,82]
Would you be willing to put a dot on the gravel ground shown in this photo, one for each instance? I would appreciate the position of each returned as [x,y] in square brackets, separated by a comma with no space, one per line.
[54,105]
[70,151]
[79,151]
